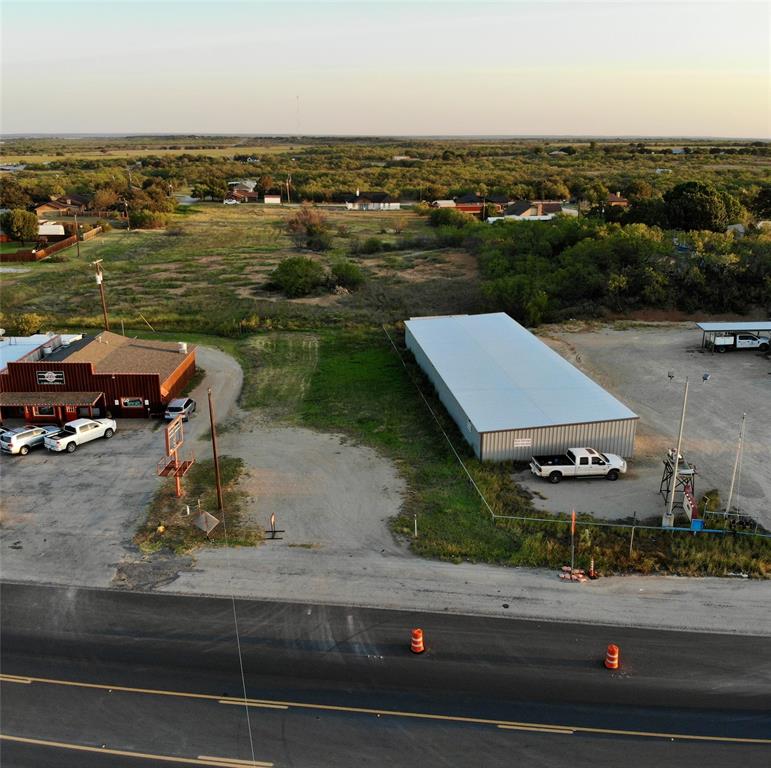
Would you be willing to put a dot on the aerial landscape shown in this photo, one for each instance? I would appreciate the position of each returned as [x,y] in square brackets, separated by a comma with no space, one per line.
[385,383]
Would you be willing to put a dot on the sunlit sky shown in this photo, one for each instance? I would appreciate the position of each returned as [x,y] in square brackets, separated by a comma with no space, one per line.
[432,68]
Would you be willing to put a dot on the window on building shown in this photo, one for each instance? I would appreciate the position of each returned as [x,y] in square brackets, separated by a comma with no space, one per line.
[132,402]
[43,410]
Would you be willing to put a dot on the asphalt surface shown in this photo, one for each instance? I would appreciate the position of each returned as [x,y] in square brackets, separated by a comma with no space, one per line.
[98,677]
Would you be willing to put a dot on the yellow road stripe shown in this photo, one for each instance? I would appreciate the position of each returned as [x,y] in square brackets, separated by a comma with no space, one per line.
[398,713]
[251,703]
[211,761]
[14,679]
[563,731]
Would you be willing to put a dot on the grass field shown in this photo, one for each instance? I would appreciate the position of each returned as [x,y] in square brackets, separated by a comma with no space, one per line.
[352,381]
[209,270]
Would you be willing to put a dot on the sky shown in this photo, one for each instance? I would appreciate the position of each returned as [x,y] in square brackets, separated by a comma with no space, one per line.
[577,68]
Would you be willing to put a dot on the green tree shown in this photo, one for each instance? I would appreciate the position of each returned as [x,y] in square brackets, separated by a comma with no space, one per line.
[21,324]
[298,276]
[20,225]
[696,205]
[12,194]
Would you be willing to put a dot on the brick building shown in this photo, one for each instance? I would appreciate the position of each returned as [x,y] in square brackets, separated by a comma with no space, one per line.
[91,376]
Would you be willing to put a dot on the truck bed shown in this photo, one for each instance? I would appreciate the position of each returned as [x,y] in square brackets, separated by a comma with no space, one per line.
[553,461]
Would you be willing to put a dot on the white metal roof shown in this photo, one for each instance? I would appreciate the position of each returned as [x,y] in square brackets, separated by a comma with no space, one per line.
[755,325]
[13,348]
[505,378]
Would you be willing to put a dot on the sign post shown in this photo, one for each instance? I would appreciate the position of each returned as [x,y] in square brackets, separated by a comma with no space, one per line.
[572,541]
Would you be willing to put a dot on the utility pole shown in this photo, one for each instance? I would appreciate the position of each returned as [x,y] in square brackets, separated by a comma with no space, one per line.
[736,466]
[217,479]
[128,221]
[668,520]
[97,265]
[77,234]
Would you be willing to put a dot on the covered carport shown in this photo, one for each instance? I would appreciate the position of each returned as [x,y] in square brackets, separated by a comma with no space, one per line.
[711,330]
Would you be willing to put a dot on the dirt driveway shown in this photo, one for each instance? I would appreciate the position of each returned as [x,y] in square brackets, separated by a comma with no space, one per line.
[634,365]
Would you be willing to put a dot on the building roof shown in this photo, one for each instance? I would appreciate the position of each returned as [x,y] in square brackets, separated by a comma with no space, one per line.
[14,348]
[616,197]
[505,378]
[519,208]
[17,399]
[72,199]
[371,197]
[471,197]
[113,353]
[754,325]
[55,204]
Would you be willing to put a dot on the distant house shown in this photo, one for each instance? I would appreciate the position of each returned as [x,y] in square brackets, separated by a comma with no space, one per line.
[242,185]
[534,210]
[243,196]
[616,200]
[442,203]
[663,170]
[471,203]
[272,198]
[372,201]
[678,151]
[557,153]
[66,205]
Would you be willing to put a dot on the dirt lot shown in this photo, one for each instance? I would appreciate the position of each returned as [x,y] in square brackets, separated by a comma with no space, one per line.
[634,365]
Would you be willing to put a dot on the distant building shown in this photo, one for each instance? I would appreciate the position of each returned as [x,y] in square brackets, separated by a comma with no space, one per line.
[442,203]
[616,200]
[272,199]
[242,185]
[535,210]
[372,201]
[663,170]
[678,151]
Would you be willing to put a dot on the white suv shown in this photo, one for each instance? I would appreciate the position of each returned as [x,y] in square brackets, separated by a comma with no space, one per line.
[20,439]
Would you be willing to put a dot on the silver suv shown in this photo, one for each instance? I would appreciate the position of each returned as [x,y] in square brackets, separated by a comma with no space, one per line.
[19,440]
[180,406]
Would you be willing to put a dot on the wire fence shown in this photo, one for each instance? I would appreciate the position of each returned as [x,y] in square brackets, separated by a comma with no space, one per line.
[558,520]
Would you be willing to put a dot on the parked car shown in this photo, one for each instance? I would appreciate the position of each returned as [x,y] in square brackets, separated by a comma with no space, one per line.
[180,406]
[578,462]
[75,433]
[229,201]
[19,440]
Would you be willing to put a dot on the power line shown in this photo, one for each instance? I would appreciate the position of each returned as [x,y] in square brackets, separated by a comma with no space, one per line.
[230,573]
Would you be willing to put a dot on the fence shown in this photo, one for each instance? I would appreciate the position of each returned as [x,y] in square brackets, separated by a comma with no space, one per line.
[42,253]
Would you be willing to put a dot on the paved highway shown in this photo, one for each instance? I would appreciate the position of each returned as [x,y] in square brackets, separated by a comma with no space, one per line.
[105,678]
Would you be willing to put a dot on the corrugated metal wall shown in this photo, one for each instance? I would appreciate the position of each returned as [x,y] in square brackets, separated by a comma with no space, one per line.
[521,444]
[447,398]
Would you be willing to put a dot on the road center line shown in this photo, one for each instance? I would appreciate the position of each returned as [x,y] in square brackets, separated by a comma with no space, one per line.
[564,731]
[397,713]
[220,762]
[15,679]
[251,703]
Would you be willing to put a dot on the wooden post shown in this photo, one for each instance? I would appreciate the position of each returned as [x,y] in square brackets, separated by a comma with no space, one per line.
[217,479]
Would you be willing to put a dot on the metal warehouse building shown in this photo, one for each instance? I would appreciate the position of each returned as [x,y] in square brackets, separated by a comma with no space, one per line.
[510,394]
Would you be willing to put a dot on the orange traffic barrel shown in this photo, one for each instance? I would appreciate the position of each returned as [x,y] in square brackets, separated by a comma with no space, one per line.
[417,641]
[611,657]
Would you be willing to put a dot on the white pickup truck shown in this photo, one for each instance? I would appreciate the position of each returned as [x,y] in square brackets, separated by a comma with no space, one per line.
[578,462]
[740,341]
[75,433]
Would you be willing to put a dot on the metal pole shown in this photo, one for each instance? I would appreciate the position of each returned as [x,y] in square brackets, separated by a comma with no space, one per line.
[77,235]
[572,541]
[736,465]
[677,452]
[217,479]
[631,538]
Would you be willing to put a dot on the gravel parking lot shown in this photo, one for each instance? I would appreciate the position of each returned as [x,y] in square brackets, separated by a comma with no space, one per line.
[634,365]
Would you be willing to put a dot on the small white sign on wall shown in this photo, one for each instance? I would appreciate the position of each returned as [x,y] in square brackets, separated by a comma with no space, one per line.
[523,442]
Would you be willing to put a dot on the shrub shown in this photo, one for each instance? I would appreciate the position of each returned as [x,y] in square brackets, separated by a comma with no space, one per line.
[319,240]
[298,276]
[145,219]
[347,274]
[371,245]
[440,217]
[105,225]
[22,324]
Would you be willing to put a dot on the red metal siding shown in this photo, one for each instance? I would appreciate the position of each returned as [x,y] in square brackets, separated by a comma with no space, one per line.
[79,377]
